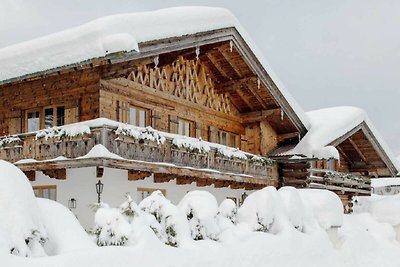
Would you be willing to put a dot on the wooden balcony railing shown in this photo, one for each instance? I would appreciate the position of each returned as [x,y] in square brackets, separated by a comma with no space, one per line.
[338,181]
[42,146]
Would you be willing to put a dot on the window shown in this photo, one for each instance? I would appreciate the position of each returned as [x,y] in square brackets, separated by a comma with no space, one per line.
[227,139]
[32,121]
[139,116]
[185,127]
[331,164]
[46,191]
[52,116]
[145,192]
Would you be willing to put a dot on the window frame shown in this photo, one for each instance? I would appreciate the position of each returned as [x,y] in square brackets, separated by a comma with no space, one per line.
[42,115]
[192,127]
[40,189]
[137,118]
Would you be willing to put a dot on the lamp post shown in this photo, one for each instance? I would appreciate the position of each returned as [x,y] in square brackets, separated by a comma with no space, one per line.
[99,190]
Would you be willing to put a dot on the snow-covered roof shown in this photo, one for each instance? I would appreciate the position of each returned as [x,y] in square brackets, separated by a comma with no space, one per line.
[381,182]
[329,124]
[124,32]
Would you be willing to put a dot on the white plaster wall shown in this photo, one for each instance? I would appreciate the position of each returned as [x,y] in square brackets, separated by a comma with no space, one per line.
[80,184]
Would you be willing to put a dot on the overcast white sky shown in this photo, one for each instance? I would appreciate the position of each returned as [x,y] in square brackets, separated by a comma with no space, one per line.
[327,52]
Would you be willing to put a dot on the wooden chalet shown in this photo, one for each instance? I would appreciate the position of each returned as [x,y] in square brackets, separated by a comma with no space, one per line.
[361,156]
[206,85]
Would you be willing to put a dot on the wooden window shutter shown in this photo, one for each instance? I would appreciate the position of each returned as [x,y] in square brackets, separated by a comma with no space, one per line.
[173,124]
[123,112]
[15,123]
[199,129]
[72,113]
[156,119]
[213,134]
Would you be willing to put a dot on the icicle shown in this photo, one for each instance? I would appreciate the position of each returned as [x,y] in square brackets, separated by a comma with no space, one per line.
[282,115]
[156,61]
[258,83]
[299,136]
[231,45]
[197,52]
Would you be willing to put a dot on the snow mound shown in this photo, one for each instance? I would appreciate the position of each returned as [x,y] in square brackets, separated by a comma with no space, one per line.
[386,210]
[100,151]
[64,232]
[326,206]
[21,225]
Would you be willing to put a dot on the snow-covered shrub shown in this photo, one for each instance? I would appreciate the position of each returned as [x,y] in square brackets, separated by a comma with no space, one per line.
[21,226]
[228,209]
[134,215]
[64,232]
[262,211]
[326,206]
[111,228]
[170,218]
[201,208]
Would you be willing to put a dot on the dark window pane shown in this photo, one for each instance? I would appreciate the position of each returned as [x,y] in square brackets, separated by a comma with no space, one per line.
[48,118]
[60,116]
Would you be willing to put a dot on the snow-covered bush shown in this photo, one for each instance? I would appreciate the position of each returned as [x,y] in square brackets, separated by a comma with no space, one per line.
[111,228]
[228,209]
[326,205]
[21,227]
[171,219]
[260,210]
[201,208]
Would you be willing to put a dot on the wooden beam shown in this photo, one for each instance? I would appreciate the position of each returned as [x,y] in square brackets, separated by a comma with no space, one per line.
[163,177]
[226,55]
[244,98]
[235,84]
[31,175]
[253,91]
[200,182]
[221,183]
[282,137]
[256,116]
[99,171]
[215,62]
[237,185]
[358,150]
[59,174]
[181,180]
[344,155]
[134,175]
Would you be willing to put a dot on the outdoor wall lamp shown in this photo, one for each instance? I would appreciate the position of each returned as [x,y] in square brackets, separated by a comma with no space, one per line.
[72,203]
[99,190]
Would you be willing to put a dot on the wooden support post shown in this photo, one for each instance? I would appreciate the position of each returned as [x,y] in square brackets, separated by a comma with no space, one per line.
[99,171]
[358,150]
[180,180]
[60,174]
[221,183]
[137,175]
[163,177]
[200,182]
[31,175]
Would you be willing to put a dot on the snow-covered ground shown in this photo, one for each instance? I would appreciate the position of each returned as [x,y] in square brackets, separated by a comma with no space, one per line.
[286,227]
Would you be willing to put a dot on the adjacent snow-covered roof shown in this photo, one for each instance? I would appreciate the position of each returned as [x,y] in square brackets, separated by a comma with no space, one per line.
[329,124]
[381,182]
[124,32]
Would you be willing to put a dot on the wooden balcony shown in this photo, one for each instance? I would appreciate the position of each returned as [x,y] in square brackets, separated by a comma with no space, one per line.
[338,181]
[60,151]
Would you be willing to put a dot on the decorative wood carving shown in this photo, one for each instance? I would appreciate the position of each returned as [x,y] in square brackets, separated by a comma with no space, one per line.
[185,79]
